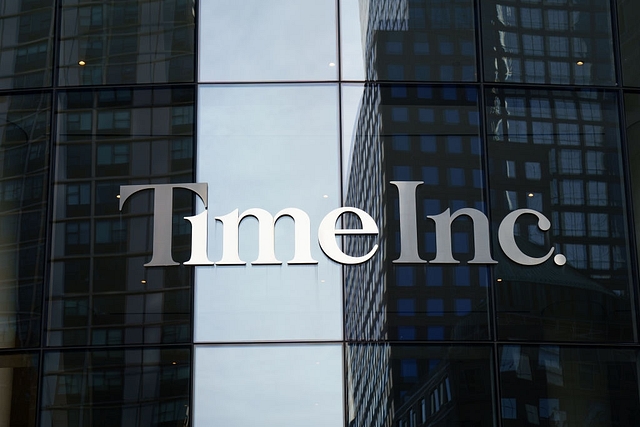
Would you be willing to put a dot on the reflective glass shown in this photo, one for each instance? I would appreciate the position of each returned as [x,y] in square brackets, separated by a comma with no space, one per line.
[26,42]
[424,40]
[558,153]
[270,385]
[24,172]
[19,382]
[268,147]
[132,387]
[628,16]
[101,293]
[632,111]
[131,41]
[428,135]
[419,385]
[275,40]
[552,42]
[563,386]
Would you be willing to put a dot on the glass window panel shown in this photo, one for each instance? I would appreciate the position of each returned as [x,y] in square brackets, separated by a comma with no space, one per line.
[287,137]
[629,36]
[429,40]
[554,385]
[443,154]
[24,172]
[632,110]
[297,40]
[19,381]
[116,42]
[567,43]
[586,299]
[133,387]
[26,43]
[287,385]
[127,137]
[446,385]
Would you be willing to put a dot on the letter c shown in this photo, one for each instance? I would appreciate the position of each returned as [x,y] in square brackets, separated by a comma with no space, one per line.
[508,242]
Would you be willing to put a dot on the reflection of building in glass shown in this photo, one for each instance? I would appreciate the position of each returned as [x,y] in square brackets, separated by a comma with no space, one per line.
[408,40]
[413,133]
[26,43]
[558,152]
[491,105]
[558,42]
[126,42]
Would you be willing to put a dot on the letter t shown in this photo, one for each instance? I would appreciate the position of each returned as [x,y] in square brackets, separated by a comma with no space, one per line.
[162,216]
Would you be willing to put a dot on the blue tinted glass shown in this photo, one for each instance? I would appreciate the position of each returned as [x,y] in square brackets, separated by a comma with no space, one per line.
[398,92]
[406,307]
[477,178]
[435,307]
[406,332]
[396,72]
[425,92]
[435,333]
[401,142]
[434,275]
[399,114]
[461,242]
[450,93]
[462,306]
[426,115]
[428,144]
[454,144]
[461,276]
[452,116]
[402,173]
[432,206]
[456,177]
[430,175]
[404,276]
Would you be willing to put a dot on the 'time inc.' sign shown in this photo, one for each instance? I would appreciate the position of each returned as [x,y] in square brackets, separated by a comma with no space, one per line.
[327,231]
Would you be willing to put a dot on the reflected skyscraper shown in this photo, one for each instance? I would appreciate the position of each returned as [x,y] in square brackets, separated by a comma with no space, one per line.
[556,152]
[467,112]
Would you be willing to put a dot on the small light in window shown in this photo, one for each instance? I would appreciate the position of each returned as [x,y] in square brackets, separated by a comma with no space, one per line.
[81,63]
[143,281]
[530,194]
[118,196]
[332,64]
[580,63]
[498,280]
[174,363]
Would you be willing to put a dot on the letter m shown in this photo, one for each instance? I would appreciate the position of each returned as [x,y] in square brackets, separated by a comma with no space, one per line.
[266,236]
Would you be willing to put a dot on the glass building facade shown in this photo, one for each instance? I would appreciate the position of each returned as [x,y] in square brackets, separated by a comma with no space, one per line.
[438,119]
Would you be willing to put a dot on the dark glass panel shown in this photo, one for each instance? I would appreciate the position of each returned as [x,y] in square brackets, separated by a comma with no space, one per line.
[26,43]
[632,113]
[106,139]
[24,171]
[126,41]
[558,153]
[420,385]
[419,40]
[104,388]
[553,42]
[19,382]
[560,386]
[628,17]
[431,135]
